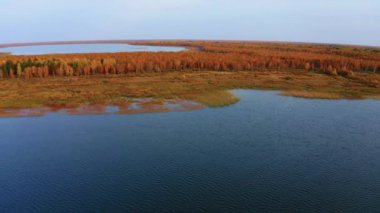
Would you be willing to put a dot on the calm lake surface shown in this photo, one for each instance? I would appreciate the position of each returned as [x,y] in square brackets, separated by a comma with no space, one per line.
[267,153]
[86,48]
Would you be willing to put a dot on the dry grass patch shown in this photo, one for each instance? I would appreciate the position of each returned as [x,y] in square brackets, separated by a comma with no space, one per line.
[208,88]
[214,98]
[312,94]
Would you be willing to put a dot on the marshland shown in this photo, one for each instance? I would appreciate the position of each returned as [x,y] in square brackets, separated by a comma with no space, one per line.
[204,72]
[238,122]
[189,106]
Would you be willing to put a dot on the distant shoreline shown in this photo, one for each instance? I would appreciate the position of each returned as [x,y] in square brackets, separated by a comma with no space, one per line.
[83,47]
[138,41]
[63,43]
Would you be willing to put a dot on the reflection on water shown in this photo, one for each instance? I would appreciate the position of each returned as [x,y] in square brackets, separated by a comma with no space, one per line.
[267,153]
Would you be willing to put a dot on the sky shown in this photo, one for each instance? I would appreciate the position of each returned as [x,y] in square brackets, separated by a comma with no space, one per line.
[321,21]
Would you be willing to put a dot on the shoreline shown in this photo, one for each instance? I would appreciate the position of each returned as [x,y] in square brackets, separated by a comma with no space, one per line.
[211,89]
[205,73]
[126,106]
[105,42]
[153,41]
[45,43]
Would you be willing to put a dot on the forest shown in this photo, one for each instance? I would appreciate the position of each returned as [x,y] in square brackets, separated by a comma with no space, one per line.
[205,73]
[200,56]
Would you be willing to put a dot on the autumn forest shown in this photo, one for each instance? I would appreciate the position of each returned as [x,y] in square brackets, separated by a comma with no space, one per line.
[201,56]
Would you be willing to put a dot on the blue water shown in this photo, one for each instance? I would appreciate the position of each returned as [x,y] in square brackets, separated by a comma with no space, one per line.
[267,153]
[86,48]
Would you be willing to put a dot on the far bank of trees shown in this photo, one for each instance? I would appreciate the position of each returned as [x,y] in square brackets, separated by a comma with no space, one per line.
[209,56]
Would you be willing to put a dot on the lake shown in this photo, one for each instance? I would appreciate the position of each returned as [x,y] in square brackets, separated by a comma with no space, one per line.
[267,153]
[85,48]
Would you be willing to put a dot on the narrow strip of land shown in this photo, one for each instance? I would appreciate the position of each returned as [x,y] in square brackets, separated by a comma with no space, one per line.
[208,88]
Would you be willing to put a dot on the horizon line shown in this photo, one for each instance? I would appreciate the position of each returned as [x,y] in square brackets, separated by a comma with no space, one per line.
[128,41]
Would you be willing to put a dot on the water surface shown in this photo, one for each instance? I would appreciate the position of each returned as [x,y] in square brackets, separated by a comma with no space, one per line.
[267,153]
[85,48]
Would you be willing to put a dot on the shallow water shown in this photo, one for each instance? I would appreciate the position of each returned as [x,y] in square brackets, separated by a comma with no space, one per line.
[85,48]
[267,153]
[123,106]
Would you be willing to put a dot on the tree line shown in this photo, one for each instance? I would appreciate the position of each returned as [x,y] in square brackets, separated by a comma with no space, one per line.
[202,56]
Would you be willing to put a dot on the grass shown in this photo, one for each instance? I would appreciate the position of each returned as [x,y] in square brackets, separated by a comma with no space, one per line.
[209,88]
[311,94]
[214,98]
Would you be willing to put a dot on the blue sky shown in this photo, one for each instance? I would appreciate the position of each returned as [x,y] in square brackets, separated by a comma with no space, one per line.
[324,21]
